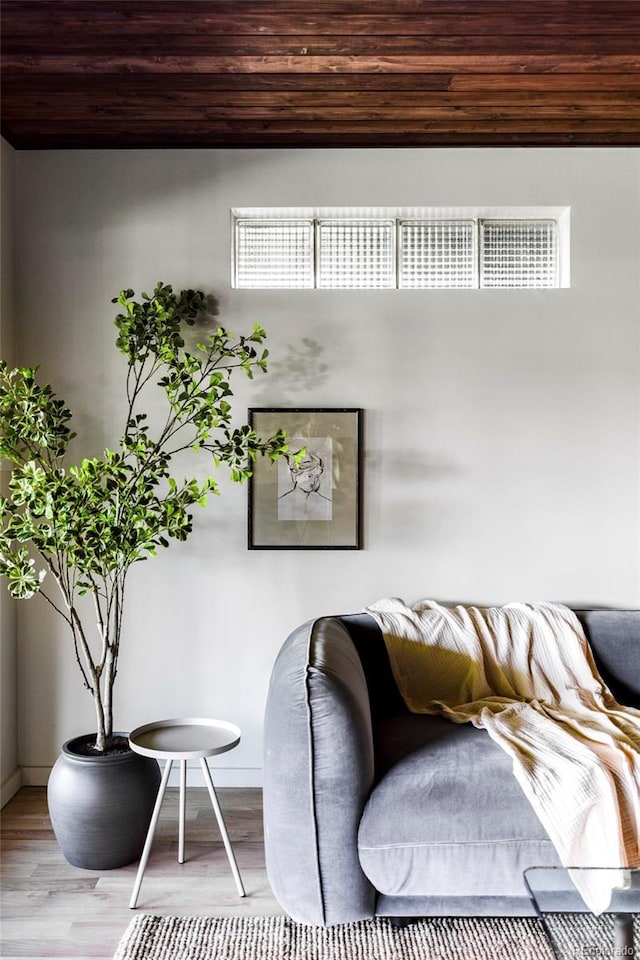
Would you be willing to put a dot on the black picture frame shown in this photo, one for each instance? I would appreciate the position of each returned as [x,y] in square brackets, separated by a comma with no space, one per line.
[316,503]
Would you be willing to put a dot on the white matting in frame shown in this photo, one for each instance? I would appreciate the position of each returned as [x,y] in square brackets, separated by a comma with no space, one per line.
[314,502]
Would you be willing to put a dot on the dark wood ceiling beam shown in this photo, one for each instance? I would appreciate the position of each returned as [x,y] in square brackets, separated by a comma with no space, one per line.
[382,135]
[169,64]
[131,86]
[466,82]
[481,117]
[61,140]
[362,106]
[345,127]
[272,18]
[320,72]
[140,83]
[57,48]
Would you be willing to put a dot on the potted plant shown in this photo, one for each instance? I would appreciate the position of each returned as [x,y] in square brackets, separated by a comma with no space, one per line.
[74,531]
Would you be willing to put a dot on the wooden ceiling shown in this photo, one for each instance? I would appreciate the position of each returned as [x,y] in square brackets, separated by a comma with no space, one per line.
[314,73]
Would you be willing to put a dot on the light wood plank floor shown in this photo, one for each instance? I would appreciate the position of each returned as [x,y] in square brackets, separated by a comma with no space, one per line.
[53,910]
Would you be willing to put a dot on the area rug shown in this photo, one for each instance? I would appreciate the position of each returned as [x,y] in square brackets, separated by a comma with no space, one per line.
[279,938]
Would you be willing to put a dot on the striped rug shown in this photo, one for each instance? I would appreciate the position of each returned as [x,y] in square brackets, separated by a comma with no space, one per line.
[279,938]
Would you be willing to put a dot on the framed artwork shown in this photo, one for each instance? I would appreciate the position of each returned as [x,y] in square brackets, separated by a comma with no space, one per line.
[312,502]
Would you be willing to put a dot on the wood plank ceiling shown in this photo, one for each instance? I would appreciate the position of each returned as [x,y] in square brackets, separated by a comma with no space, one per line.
[310,73]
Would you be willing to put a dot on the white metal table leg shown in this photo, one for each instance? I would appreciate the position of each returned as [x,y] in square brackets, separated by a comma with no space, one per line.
[181,818]
[221,825]
[152,829]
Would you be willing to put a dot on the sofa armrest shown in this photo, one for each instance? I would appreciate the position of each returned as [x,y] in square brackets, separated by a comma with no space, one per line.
[318,772]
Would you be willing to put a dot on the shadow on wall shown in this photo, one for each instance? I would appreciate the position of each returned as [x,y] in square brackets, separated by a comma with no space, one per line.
[205,325]
[300,370]
[409,496]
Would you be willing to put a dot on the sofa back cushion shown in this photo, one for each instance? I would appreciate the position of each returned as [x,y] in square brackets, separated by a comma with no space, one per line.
[384,697]
[614,636]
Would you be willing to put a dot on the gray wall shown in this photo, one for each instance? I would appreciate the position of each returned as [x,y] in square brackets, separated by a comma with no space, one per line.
[502,444]
[9,775]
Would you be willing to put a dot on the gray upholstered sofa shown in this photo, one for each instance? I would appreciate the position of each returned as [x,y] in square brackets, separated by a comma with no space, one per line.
[370,810]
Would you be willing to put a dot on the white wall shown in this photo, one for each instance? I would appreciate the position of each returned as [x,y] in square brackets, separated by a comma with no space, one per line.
[9,773]
[502,446]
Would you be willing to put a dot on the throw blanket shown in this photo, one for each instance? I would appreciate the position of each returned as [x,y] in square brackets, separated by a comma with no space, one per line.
[525,673]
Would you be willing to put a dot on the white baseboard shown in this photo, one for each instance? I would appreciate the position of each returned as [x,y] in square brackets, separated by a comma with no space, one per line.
[222,776]
[35,776]
[10,787]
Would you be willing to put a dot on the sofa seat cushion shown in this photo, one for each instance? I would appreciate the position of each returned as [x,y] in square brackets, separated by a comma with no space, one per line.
[447,816]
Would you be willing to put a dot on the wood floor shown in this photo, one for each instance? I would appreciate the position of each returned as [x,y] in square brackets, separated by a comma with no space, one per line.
[53,910]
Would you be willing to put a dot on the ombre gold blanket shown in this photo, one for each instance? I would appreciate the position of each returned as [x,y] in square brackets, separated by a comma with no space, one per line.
[525,673]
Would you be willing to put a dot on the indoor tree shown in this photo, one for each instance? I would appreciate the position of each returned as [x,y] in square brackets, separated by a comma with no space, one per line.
[67,531]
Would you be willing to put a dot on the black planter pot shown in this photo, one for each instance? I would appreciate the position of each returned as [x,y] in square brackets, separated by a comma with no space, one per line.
[100,806]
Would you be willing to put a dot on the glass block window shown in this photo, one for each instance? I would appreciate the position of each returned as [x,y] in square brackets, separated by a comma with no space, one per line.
[356,254]
[438,253]
[409,248]
[274,253]
[519,253]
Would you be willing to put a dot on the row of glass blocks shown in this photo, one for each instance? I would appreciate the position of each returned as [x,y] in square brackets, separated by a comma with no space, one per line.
[395,253]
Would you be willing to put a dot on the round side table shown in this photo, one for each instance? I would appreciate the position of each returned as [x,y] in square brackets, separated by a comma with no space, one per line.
[191,739]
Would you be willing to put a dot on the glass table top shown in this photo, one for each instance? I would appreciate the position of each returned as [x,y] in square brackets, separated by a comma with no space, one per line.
[572,927]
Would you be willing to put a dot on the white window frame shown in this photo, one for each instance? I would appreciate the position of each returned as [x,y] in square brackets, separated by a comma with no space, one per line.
[559,217]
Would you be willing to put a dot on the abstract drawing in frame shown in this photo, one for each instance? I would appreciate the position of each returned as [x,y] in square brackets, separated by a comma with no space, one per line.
[314,503]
